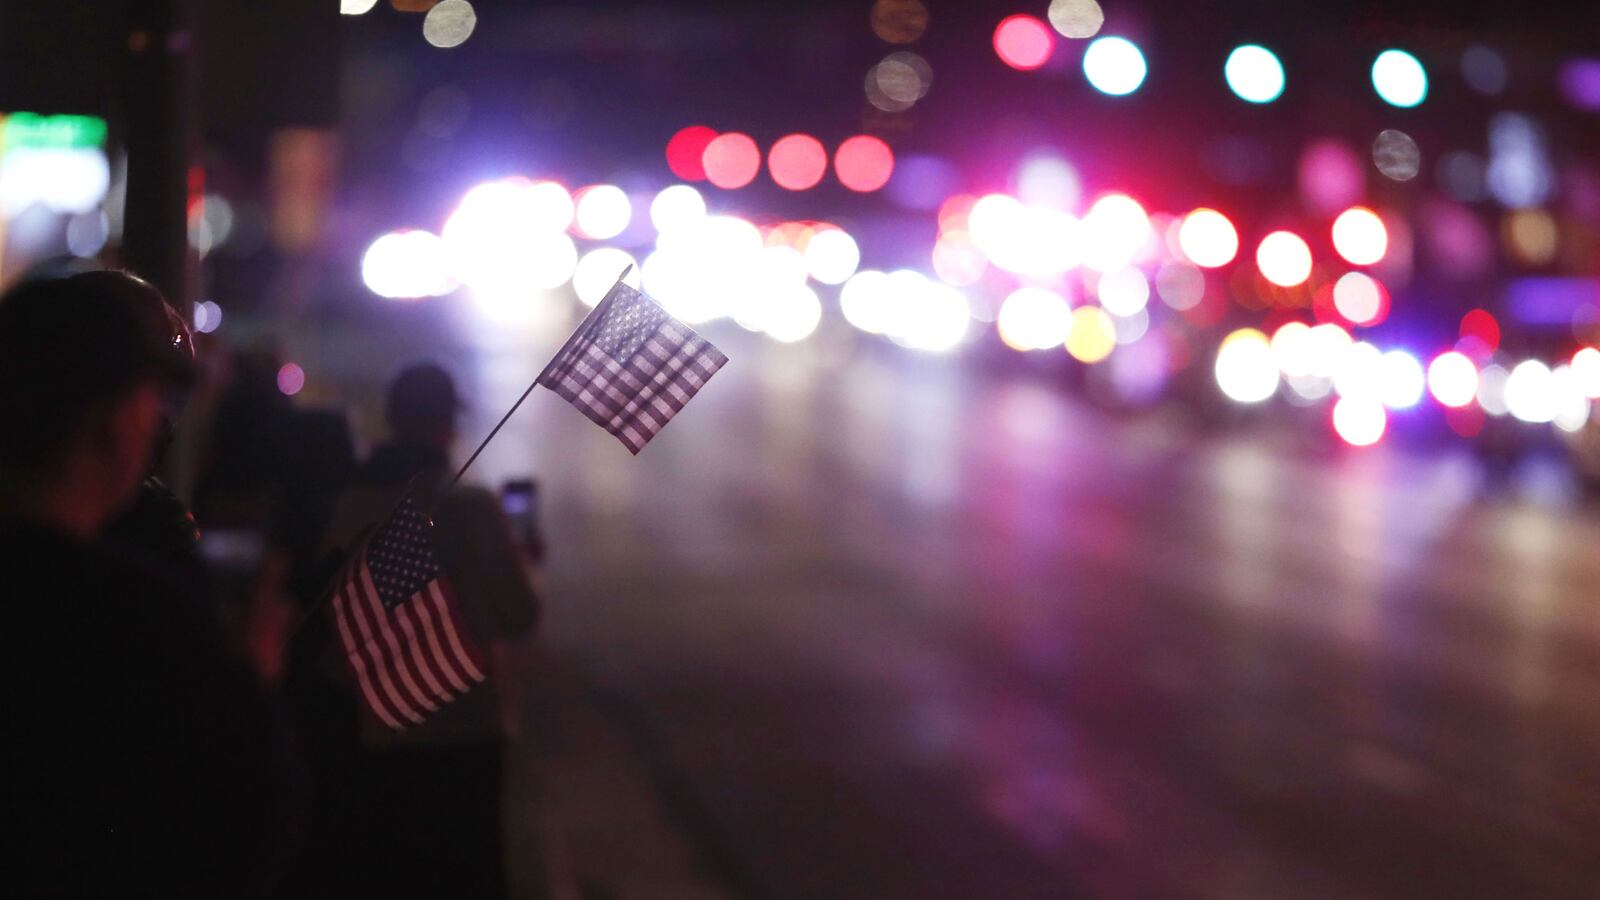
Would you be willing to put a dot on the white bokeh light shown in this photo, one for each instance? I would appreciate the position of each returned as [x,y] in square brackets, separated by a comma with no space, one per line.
[1114,65]
[1254,73]
[1586,371]
[1403,380]
[507,235]
[603,212]
[1114,231]
[1047,180]
[1246,370]
[597,271]
[792,314]
[1399,78]
[1530,393]
[1033,318]
[1571,404]
[940,321]
[676,207]
[831,256]
[407,265]
[1360,372]
[1124,291]
[1453,379]
[1360,421]
[1290,348]
[863,300]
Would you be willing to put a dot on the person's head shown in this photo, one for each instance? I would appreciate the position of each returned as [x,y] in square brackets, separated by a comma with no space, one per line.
[422,406]
[84,364]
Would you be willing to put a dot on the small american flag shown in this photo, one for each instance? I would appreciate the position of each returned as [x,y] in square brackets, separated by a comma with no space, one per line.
[630,366]
[397,619]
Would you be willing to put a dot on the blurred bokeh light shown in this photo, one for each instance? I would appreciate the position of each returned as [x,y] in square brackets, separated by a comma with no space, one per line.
[1023,42]
[1076,18]
[449,23]
[797,162]
[1115,230]
[676,206]
[863,163]
[899,21]
[404,265]
[686,150]
[1360,299]
[1284,259]
[1360,421]
[1453,379]
[1033,318]
[831,256]
[1246,369]
[1360,236]
[1115,66]
[1399,78]
[1092,336]
[598,270]
[731,160]
[1396,155]
[1208,239]
[1254,73]
[602,211]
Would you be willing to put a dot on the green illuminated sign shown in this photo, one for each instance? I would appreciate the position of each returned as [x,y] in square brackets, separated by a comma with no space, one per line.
[33,131]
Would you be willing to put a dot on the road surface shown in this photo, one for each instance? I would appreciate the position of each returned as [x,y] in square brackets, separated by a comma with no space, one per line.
[899,629]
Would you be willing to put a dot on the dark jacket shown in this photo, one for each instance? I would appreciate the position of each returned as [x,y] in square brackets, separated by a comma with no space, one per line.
[142,758]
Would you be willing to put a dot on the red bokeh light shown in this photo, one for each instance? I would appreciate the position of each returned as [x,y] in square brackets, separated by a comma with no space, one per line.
[1023,42]
[1466,421]
[954,211]
[731,160]
[685,149]
[1479,325]
[797,162]
[863,163]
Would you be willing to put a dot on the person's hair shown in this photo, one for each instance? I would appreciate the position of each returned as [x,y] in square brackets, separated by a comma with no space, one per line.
[70,352]
[422,403]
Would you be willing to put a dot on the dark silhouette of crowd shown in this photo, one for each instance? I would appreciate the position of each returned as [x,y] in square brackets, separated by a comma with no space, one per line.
[181,720]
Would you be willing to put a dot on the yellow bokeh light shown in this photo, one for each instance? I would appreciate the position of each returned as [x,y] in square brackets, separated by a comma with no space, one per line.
[1093,335]
[1531,236]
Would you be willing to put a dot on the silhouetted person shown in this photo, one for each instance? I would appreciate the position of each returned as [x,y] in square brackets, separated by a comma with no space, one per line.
[157,525]
[247,442]
[432,793]
[141,757]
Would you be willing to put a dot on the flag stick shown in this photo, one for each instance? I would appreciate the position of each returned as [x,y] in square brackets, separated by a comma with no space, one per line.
[507,417]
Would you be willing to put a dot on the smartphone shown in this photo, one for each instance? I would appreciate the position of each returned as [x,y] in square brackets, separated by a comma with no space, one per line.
[520,499]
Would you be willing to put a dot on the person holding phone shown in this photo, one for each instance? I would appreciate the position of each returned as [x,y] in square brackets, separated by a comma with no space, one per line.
[432,793]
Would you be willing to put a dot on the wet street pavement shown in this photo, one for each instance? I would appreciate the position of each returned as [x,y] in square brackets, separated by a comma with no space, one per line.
[895,628]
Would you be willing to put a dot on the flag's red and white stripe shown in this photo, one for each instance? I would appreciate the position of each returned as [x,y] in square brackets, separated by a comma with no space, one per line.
[410,660]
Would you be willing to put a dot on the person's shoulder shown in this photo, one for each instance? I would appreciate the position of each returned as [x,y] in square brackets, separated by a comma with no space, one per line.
[78,590]
[475,494]
[38,551]
[469,501]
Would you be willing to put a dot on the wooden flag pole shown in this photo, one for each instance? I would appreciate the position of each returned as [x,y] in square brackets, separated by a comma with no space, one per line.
[515,406]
